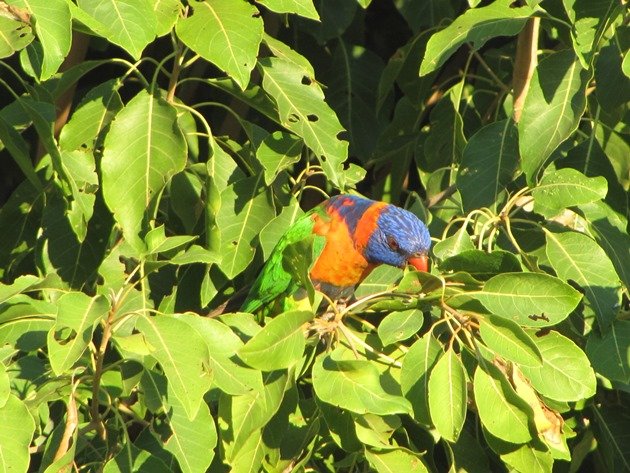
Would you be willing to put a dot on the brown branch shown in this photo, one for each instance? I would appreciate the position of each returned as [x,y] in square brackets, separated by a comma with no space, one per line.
[439,197]
[63,104]
[98,372]
[525,64]
[72,420]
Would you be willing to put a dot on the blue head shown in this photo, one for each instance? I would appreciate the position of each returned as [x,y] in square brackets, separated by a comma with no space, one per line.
[398,238]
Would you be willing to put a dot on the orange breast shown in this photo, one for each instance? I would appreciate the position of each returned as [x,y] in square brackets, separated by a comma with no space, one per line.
[339,263]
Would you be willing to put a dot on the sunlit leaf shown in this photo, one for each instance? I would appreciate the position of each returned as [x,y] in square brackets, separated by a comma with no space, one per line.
[183,355]
[77,316]
[509,340]
[564,188]
[530,299]
[15,435]
[414,375]
[476,26]
[226,33]
[130,24]
[566,374]
[302,110]
[553,107]
[501,410]
[577,257]
[448,395]
[359,382]
[279,344]
[143,149]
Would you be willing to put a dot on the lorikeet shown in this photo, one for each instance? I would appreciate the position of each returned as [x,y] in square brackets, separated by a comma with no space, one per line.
[358,235]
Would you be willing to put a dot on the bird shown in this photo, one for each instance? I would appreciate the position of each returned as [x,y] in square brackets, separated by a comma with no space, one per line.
[348,236]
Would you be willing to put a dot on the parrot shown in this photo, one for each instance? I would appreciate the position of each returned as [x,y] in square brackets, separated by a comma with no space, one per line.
[349,237]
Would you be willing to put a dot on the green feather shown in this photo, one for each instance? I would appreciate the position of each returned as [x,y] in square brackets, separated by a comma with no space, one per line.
[286,271]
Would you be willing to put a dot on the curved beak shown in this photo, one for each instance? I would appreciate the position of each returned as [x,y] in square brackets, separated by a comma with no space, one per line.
[420,262]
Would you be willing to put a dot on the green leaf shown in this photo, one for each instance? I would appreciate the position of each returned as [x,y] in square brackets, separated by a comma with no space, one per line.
[532,457]
[77,316]
[613,87]
[609,230]
[609,353]
[303,8]
[565,188]
[16,145]
[445,142]
[395,460]
[131,24]
[279,344]
[555,102]
[398,326]
[273,231]
[91,117]
[382,278]
[352,84]
[500,409]
[488,164]
[246,207]
[166,14]
[566,374]
[530,299]
[14,35]
[302,110]
[453,245]
[612,434]
[376,431]
[132,459]
[278,152]
[183,355]
[242,416]
[17,431]
[482,265]
[509,340]
[468,455]
[448,396]
[577,257]
[228,375]
[589,20]
[426,13]
[414,375]
[226,33]
[5,386]
[476,26]
[19,285]
[354,385]
[192,441]
[334,18]
[135,170]
[53,26]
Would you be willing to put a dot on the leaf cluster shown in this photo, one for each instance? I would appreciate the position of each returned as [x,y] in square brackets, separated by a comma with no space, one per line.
[154,152]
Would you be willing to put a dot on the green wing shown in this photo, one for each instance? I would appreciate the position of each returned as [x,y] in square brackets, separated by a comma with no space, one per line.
[287,268]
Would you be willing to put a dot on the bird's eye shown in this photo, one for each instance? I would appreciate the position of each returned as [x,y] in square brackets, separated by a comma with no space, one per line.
[393,244]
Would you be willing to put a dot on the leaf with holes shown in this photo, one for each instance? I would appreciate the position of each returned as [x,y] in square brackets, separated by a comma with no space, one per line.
[303,111]
[131,24]
[77,317]
[226,33]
